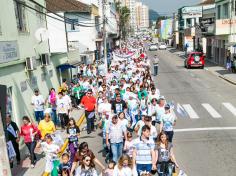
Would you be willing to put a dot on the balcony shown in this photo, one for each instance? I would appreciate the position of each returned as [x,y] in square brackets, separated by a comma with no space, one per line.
[225,26]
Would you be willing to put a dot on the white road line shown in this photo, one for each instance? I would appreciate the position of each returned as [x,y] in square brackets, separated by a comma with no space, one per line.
[192,114]
[211,110]
[204,129]
[230,107]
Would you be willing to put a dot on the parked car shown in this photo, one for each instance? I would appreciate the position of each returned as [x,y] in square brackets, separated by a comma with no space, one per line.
[153,47]
[162,46]
[195,59]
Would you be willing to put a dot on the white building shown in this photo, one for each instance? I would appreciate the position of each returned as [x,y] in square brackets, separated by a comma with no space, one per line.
[142,16]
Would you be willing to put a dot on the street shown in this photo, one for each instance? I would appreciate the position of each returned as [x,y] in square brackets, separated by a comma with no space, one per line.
[202,95]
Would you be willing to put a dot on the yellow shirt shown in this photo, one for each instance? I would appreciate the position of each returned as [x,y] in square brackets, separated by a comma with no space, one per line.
[46,127]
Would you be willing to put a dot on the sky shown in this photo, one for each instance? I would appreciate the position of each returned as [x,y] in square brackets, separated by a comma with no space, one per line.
[164,7]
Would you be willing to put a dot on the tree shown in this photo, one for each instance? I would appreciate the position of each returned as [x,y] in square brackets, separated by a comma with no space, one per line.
[124,16]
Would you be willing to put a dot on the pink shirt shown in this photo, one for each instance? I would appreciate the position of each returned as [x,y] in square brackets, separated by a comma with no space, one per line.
[26,132]
[129,148]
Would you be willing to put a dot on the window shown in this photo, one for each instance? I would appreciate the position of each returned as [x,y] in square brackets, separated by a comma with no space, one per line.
[73,24]
[39,14]
[219,12]
[20,16]
[226,10]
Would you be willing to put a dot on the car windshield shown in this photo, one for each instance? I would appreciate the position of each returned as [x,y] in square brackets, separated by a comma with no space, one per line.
[162,43]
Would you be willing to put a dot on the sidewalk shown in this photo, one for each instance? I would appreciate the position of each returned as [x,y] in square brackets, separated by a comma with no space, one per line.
[215,69]
[24,169]
[221,72]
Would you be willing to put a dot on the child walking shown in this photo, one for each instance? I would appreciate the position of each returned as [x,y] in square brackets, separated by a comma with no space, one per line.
[73,132]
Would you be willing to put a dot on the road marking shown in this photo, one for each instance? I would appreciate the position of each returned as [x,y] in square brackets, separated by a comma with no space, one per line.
[230,107]
[204,129]
[211,110]
[192,114]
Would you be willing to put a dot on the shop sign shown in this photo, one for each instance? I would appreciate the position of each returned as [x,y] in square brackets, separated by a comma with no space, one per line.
[8,51]
[192,12]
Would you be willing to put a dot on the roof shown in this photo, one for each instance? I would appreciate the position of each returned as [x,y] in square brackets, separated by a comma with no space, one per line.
[67,6]
[206,2]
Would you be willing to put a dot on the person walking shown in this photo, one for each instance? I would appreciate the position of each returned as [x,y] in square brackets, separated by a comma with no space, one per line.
[116,133]
[90,105]
[168,120]
[143,152]
[155,65]
[38,103]
[165,156]
[30,133]
[86,168]
[52,99]
[46,126]
[13,135]
[62,110]
[125,167]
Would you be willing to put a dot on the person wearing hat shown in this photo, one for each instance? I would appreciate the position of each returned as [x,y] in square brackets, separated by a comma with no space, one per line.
[46,126]
[90,105]
[38,103]
[167,121]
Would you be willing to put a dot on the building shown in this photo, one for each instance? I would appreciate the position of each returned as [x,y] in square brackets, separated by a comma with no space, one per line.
[188,24]
[225,29]
[142,16]
[25,62]
[175,31]
[166,30]
[78,27]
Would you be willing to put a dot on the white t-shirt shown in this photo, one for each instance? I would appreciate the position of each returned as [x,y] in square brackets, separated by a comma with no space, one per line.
[50,150]
[104,107]
[124,171]
[38,101]
[168,121]
[124,123]
[62,106]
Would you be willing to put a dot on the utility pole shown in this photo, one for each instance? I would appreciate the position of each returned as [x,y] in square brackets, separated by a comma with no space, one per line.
[104,34]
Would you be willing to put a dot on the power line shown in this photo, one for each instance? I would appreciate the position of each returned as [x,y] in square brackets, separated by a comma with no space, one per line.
[64,21]
[54,12]
[75,6]
[73,14]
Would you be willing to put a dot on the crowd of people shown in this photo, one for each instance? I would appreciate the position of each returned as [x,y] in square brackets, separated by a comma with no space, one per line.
[136,121]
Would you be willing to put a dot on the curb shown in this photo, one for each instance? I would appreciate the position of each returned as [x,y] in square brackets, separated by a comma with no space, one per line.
[228,80]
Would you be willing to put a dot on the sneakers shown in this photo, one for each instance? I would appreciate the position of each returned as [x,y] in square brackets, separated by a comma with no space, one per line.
[32,165]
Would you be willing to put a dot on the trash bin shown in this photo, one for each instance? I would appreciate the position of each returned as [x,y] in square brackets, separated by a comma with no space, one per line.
[155,69]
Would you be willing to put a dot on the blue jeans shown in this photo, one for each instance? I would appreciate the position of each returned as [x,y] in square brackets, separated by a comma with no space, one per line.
[54,117]
[143,167]
[38,115]
[161,171]
[116,149]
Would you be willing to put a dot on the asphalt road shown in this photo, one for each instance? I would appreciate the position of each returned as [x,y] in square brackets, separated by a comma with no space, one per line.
[207,101]
[199,153]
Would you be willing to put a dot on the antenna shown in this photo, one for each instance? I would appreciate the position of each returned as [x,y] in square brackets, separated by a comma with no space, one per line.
[41,34]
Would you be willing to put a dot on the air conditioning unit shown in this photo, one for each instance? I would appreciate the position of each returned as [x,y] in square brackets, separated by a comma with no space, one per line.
[31,63]
[45,59]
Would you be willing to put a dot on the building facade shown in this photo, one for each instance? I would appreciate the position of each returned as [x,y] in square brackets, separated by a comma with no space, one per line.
[142,16]
[25,62]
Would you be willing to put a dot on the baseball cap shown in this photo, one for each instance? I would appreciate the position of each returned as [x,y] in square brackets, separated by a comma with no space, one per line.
[167,107]
[162,98]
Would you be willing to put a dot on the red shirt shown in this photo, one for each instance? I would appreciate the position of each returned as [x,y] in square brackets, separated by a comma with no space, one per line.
[26,132]
[89,103]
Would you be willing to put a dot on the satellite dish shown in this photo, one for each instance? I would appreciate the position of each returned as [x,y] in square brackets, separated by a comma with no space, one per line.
[41,34]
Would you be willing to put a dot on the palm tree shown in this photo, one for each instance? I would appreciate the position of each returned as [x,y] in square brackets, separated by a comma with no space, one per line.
[124,16]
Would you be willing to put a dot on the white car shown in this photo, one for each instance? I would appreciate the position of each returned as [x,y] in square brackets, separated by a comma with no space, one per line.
[162,46]
[153,47]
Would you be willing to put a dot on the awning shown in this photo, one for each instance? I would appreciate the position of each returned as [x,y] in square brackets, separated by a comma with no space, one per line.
[65,66]
[233,44]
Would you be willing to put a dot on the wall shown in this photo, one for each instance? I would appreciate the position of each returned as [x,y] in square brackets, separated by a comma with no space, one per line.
[57,34]
[85,35]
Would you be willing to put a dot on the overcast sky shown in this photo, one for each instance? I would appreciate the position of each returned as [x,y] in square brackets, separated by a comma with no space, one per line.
[164,7]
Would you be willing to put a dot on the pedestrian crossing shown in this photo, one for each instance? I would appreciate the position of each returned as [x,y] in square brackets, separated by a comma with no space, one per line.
[187,110]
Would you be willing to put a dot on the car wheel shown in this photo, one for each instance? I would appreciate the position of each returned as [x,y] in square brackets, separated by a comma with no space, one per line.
[202,67]
[188,66]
